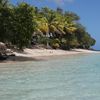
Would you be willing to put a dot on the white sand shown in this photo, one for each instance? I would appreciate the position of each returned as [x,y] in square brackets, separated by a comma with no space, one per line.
[49,52]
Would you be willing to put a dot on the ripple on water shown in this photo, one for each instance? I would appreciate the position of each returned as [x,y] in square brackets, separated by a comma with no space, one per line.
[70,78]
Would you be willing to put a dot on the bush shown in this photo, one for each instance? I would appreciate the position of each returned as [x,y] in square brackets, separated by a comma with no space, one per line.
[55,43]
[22,25]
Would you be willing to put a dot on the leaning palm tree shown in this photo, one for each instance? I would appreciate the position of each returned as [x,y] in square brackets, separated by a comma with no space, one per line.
[49,21]
[70,22]
[41,25]
[54,21]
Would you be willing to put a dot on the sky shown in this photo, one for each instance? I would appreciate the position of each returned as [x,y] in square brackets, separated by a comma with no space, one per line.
[88,10]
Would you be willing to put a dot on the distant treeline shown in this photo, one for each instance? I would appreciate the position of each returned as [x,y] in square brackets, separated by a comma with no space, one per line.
[23,25]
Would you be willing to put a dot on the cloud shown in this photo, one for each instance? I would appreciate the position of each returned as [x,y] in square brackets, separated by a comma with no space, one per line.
[59,2]
[62,2]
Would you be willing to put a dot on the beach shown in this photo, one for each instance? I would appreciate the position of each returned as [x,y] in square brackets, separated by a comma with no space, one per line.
[42,54]
[50,52]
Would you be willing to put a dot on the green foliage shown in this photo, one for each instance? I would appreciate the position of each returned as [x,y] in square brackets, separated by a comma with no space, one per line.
[5,21]
[84,38]
[71,16]
[55,43]
[3,3]
[23,25]
[18,24]
[42,40]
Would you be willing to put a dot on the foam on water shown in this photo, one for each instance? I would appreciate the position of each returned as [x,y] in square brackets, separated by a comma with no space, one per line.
[74,77]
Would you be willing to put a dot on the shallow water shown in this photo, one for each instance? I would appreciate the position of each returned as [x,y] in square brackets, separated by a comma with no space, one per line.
[74,77]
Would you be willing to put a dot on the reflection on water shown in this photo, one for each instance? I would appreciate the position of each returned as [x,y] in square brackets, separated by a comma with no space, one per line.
[71,78]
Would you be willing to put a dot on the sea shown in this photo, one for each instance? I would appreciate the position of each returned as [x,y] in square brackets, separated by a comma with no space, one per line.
[73,77]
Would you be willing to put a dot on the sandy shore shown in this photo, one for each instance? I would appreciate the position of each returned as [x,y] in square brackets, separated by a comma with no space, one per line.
[39,53]
[44,54]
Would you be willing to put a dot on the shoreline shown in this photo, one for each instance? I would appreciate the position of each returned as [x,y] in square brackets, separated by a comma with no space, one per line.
[44,54]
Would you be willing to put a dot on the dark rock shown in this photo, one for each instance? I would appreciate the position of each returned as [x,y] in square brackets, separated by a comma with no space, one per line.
[3,57]
[4,52]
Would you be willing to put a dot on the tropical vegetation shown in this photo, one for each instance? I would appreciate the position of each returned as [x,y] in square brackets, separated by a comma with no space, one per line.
[24,25]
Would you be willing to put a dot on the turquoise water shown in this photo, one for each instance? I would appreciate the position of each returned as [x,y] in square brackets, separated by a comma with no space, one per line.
[69,78]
